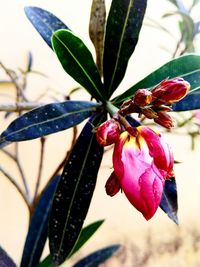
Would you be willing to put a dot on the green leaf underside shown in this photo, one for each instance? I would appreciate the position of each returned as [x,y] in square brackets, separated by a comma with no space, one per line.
[187,66]
[44,22]
[169,202]
[73,195]
[85,235]
[96,258]
[37,233]
[47,119]
[122,32]
[77,61]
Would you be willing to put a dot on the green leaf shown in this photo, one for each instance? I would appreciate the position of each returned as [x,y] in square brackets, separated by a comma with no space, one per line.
[44,22]
[122,32]
[46,120]
[73,194]
[187,67]
[47,262]
[37,233]
[97,28]
[77,61]
[96,258]
[85,234]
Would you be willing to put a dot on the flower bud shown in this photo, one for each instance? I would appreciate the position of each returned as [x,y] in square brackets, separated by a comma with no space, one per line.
[108,132]
[112,185]
[142,97]
[164,119]
[170,91]
[149,113]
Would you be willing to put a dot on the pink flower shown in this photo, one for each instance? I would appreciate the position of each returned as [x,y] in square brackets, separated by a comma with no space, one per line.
[142,164]
[108,132]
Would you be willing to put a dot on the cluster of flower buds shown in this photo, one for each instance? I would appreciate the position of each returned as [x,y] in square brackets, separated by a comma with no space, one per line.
[142,160]
[154,104]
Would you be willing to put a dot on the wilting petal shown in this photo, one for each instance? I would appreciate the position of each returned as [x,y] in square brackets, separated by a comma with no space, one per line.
[142,164]
[158,149]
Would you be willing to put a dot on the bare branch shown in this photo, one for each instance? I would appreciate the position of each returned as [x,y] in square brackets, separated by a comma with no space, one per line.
[16,185]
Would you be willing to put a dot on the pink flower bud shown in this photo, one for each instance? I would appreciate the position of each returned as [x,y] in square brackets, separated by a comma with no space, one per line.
[164,119]
[108,132]
[170,91]
[112,185]
[142,164]
[142,97]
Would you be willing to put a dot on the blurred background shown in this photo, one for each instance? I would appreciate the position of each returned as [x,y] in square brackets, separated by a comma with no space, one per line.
[158,242]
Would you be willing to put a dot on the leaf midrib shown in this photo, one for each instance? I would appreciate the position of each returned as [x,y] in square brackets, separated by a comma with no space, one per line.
[78,63]
[46,121]
[74,194]
[38,234]
[120,45]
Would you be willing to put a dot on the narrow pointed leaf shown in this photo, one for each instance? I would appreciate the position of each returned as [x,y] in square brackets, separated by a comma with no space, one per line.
[85,234]
[77,61]
[96,258]
[44,22]
[190,102]
[37,233]
[187,67]
[122,32]
[97,28]
[46,120]
[5,260]
[169,202]
[73,194]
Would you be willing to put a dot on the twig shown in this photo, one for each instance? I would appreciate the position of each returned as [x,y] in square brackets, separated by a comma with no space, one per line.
[39,169]
[17,160]
[22,106]
[13,79]
[17,186]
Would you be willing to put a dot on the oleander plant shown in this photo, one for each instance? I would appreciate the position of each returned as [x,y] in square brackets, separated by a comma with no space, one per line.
[142,159]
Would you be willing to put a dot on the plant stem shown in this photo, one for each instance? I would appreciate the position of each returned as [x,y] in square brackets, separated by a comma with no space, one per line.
[40,168]
[18,107]
[17,186]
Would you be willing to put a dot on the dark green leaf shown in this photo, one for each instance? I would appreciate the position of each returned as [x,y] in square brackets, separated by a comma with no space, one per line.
[44,22]
[122,32]
[73,194]
[5,260]
[85,235]
[97,257]
[169,199]
[37,233]
[187,67]
[77,61]
[97,28]
[46,120]
[47,262]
